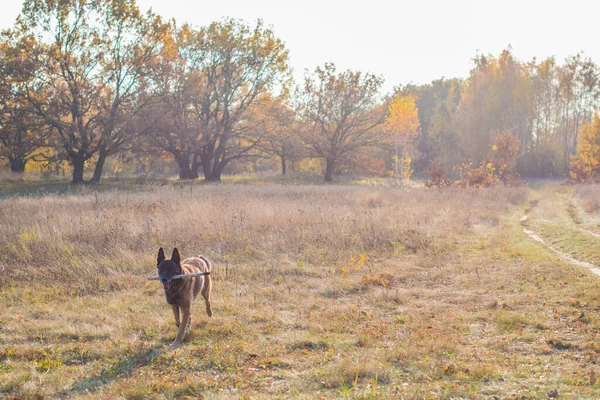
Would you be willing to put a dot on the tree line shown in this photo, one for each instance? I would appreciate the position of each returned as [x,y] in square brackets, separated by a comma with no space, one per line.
[84,80]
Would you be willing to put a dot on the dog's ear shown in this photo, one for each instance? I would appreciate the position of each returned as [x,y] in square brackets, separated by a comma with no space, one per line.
[175,256]
[161,256]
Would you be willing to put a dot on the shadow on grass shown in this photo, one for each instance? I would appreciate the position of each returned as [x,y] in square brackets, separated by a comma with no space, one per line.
[120,369]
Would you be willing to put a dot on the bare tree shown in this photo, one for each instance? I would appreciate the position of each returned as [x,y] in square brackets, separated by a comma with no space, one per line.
[341,111]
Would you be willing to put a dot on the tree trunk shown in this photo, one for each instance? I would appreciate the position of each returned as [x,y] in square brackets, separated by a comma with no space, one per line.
[402,171]
[329,170]
[78,164]
[17,163]
[212,169]
[207,167]
[283,165]
[215,175]
[99,167]
[396,162]
[195,166]
[185,170]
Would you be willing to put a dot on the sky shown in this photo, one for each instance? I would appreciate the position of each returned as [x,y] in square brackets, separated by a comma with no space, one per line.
[403,41]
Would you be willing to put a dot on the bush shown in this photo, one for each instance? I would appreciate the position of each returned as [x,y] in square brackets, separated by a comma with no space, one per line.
[437,171]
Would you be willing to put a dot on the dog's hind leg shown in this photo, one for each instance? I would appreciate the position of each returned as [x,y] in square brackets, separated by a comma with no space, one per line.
[206,294]
[176,313]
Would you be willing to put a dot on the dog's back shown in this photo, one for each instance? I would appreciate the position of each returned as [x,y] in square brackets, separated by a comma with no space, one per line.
[198,264]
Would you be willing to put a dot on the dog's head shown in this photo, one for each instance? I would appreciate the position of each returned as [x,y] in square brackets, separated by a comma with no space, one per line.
[168,268]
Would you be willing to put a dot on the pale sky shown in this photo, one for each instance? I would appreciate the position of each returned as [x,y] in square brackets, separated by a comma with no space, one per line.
[403,41]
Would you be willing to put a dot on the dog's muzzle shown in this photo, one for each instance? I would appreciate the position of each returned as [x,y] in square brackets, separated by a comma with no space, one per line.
[166,282]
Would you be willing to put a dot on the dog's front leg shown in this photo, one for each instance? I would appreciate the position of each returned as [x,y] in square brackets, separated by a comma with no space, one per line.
[176,313]
[185,319]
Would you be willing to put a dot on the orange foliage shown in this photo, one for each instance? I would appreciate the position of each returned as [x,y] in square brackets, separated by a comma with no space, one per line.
[437,171]
[505,153]
[483,176]
[403,117]
[363,163]
[585,167]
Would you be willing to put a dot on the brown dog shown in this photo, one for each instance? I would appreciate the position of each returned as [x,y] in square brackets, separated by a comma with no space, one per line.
[180,293]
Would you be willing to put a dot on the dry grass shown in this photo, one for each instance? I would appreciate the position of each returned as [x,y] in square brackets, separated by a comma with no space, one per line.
[79,238]
[320,291]
[590,197]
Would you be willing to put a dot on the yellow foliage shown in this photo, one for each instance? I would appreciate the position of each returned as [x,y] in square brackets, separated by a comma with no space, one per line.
[408,171]
[310,166]
[586,165]
[40,163]
[403,116]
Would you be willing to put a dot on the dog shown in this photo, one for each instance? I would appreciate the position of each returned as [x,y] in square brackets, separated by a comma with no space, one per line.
[180,293]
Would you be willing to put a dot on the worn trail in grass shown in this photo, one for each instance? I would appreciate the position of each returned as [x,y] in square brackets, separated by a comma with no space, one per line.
[555,217]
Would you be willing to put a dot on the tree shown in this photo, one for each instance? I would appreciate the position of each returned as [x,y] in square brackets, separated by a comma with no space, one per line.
[210,82]
[585,167]
[579,90]
[22,133]
[93,63]
[546,154]
[130,44]
[496,97]
[69,71]
[282,138]
[437,104]
[341,112]
[403,123]
[505,153]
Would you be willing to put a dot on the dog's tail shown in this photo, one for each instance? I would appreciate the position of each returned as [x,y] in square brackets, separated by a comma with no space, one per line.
[207,262]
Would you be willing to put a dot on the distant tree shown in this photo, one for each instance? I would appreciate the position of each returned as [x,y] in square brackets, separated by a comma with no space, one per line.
[546,154]
[129,43]
[341,111]
[171,116]
[437,105]
[496,97]
[221,71]
[22,132]
[437,172]
[282,131]
[579,91]
[403,124]
[585,166]
[69,68]
[505,153]
[92,67]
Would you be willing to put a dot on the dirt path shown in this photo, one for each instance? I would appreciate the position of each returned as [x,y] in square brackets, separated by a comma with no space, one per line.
[554,220]
[565,256]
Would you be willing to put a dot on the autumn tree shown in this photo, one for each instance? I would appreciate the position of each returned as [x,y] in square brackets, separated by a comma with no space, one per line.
[93,65]
[220,72]
[22,132]
[341,111]
[403,124]
[129,43]
[505,153]
[585,166]
[68,69]
[546,154]
[496,97]
[437,105]
[279,123]
[579,90]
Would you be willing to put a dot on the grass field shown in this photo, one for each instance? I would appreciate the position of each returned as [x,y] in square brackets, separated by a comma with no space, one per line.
[343,291]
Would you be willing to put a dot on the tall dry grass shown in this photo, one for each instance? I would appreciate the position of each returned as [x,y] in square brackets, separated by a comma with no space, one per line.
[590,197]
[92,237]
